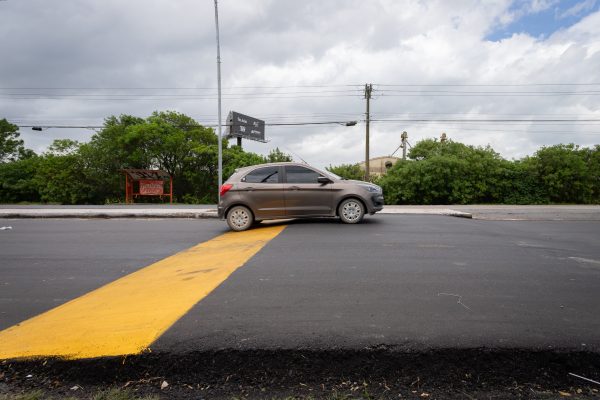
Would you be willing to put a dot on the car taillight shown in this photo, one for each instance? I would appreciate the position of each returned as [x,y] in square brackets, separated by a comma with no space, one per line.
[225,188]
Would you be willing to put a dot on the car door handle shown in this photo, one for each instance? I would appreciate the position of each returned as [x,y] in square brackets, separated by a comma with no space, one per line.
[294,188]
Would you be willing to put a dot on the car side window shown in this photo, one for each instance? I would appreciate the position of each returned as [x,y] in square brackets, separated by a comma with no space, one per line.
[297,174]
[263,175]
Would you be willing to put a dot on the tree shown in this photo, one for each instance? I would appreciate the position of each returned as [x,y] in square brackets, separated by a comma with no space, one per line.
[447,173]
[109,151]
[593,162]
[17,181]
[11,147]
[234,158]
[567,173]
[166,140]
[436,172]
[277,155]
[347,171]
[61,177]
[170,141]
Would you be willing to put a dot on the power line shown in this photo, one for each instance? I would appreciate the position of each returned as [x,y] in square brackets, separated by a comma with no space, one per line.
[275,96]
[531,131]
[46,126]
[379,116]
[205,121]
[357,86]
[177,88]
[479,92]
[179,98]
[413,121]
[486,120]
[491,94]
[486,84]
[408,115]
[175,95]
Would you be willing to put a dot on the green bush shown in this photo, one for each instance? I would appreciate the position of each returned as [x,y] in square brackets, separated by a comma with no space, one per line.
[348,171]
[454,173]
[436,172]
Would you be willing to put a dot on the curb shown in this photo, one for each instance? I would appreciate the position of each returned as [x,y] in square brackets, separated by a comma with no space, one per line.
[194,214]
[420,211]
[61,213]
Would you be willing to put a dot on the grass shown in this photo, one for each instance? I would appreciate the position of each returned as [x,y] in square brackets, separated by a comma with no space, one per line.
[110,394]
[35,395]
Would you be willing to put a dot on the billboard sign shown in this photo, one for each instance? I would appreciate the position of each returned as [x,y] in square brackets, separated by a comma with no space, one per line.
[245,127]
[152,188]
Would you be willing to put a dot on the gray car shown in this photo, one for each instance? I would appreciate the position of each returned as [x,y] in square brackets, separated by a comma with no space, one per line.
[293,190]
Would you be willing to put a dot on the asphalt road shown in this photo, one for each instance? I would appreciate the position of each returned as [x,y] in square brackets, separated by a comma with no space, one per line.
[46,263]
[405,282]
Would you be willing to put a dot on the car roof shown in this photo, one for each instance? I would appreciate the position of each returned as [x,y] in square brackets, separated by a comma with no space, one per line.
[275,164]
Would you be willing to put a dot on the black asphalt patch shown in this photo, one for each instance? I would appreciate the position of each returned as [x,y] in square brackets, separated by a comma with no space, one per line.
[410,283]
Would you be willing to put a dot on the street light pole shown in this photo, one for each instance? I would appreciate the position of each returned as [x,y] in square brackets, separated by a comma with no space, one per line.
[220,162]
[368,91]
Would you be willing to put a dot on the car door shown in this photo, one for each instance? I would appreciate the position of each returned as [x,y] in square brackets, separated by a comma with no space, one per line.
[304,195]
[262,190]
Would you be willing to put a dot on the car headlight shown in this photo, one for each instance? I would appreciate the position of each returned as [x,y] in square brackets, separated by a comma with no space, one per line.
[371,188]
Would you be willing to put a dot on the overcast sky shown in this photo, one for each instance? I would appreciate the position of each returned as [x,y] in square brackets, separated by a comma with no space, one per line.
[75,62]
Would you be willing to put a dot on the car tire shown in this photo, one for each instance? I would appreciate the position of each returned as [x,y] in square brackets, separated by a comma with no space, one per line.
[351,211]
[239,218]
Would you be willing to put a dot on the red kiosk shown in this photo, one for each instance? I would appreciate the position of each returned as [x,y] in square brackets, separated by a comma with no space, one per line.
[147,182]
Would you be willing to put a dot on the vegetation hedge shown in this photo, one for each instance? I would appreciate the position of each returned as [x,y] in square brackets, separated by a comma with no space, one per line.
[436,172]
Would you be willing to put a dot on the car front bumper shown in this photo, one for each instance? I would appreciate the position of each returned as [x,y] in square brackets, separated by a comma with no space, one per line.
[376,203]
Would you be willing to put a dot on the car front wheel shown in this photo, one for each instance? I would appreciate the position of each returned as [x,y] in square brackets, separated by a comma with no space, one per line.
[351,211]
[239,218]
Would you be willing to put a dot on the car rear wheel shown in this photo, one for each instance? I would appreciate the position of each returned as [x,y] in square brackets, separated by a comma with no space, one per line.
[351,211]
[239,218]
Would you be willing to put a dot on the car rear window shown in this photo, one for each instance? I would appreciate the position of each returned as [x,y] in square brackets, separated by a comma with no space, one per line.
[263,175]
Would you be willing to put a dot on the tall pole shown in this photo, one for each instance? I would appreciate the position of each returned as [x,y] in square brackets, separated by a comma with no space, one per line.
[220,163]
[368,90]
[404,141]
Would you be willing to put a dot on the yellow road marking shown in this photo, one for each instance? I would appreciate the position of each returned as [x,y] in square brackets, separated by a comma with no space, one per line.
[127,315]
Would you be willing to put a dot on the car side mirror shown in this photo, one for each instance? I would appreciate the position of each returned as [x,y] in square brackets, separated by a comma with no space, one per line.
[323,180]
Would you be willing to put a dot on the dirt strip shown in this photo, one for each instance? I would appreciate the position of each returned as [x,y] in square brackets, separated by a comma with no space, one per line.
[333,374]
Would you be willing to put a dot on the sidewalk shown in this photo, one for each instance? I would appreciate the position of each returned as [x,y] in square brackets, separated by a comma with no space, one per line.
[172,211]
[482,212]
[108,212]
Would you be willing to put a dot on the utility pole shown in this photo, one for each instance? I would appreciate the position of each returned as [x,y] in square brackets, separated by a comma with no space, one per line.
[220,156]
[368,90]
[443,138]
[404,138]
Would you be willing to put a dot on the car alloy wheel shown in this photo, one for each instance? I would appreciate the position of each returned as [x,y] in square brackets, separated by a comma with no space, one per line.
[351,211]
[239,218]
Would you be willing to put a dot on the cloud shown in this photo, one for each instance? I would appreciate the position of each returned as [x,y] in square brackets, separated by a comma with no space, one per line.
[536,6]
[578,9]
[518,9]
[310,61]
